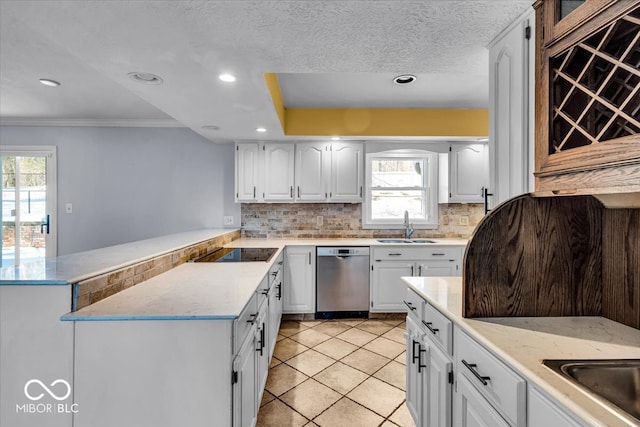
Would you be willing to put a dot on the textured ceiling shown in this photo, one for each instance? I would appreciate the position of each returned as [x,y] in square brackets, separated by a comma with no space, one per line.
[90,46]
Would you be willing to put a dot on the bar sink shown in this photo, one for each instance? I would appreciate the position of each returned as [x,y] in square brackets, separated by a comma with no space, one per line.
[423,241]
[615,380]
[394,241]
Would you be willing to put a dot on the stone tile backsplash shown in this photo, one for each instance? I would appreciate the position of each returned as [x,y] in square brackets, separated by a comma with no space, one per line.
[97,288]
[343,220]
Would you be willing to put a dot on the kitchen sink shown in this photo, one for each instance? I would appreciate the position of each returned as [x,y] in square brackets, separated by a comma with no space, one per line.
[615,380]
[423,241]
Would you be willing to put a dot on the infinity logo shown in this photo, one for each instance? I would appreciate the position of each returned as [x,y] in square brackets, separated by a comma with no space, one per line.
[52,394]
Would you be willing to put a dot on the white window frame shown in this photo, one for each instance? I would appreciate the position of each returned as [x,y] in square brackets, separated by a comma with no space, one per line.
[431,160]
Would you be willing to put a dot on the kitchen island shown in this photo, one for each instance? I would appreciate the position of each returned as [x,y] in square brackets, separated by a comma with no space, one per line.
[523,342]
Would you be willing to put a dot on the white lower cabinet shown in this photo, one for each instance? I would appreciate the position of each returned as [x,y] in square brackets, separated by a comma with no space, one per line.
[245,390]
[429,371]
[300,279]
[473,410]
[387,289]
[390,263]
[542,412]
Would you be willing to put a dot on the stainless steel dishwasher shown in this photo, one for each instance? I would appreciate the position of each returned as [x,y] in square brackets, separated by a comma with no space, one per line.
[342,282]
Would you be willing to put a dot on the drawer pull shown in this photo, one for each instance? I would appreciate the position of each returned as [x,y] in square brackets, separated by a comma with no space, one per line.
[252,318]
[428,325]
[408,304]
[438,254]
[396,254]
[471,367]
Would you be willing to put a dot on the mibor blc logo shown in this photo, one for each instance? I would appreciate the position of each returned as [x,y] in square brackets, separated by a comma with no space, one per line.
[35,390]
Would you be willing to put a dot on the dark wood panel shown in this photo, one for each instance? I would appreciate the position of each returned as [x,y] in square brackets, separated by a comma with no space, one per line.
[536,257]
[621,266]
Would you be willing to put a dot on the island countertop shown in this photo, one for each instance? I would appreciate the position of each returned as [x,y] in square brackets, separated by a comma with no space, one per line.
[523,342]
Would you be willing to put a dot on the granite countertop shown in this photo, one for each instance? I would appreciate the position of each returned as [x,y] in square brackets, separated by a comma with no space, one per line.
[523,342]
[73,268]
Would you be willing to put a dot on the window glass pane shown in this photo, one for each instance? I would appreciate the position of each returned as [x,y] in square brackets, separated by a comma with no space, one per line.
[397,173]
[387,204]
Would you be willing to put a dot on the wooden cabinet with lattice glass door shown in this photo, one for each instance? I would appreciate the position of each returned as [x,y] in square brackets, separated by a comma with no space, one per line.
[588,96]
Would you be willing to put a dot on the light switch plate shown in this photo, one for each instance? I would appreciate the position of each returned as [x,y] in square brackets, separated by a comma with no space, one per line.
[228,220]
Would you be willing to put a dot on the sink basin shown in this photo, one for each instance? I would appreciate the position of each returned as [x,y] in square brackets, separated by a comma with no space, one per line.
[394,241]
[615,380]
[423,241]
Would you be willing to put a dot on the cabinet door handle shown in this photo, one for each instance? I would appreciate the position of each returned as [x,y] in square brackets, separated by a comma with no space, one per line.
[420,365]
[279,295]
[408,304]
[412,268]
[413,352]
[309,258]
[471,367]
[361,191]
[298,192]
[254,191]
[428,325]
[419,270]
[261,342]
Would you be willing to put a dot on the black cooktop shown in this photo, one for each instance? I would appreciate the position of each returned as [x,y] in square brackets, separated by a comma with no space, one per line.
[238,255]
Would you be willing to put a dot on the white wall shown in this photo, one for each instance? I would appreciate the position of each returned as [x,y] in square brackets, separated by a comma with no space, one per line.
[128,184]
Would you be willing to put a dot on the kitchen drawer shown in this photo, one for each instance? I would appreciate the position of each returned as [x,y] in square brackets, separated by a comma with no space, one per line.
[395,253]
[502,387]
[263,289]
[415,305]
[439,327]
[242,325]
[440,253]
[422,253]
[275,272]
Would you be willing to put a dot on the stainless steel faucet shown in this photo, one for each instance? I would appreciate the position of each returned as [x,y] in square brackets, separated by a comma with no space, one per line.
[408,229]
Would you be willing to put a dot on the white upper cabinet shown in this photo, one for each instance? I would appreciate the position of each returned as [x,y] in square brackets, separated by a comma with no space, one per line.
[511,110]
[278,172]
[247,172]
[301,172]
[464,173]
[312,171]
[469,173]
[346,172]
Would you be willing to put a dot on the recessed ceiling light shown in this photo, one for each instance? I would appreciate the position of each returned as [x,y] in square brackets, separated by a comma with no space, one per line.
[211,127]
[146,78]
[404,79]
[261,129]
[335,138]
[49,82]
[227,78]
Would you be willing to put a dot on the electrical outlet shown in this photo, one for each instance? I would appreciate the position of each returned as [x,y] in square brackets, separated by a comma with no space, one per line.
[68,208]
[228,220]
[464,220]
[319,221]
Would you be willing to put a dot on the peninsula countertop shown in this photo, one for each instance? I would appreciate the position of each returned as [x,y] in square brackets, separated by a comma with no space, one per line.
[523,342]
[72,268]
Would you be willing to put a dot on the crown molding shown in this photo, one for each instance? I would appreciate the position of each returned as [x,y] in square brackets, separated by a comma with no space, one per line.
[136,123]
